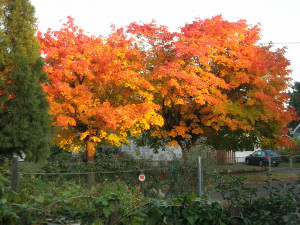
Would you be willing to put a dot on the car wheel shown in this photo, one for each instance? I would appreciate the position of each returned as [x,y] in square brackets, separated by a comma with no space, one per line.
[260,163]
[276,164]
[247,162]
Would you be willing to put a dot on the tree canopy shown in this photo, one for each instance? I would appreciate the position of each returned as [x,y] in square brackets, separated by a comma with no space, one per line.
[96,88]
[211,79]
[24,120]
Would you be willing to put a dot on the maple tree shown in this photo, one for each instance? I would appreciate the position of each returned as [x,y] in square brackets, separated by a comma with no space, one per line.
[212,79]
[24,120]
[96,88]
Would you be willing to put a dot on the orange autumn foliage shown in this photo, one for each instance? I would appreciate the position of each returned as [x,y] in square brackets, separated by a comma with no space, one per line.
[212,77]
[96,89]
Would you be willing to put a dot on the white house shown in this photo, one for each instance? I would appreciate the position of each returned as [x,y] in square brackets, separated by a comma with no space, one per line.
[148,153]
[296,132]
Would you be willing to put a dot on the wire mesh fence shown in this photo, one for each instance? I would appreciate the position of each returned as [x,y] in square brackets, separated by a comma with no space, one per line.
[170,178]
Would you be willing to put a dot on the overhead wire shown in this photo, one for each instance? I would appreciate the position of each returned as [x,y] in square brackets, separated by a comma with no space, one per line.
[281,43]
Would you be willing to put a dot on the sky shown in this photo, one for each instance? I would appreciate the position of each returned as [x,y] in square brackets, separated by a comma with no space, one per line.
[279,19]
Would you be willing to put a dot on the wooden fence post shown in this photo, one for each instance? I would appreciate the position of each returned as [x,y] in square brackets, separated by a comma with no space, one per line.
[114,216]
[15,173]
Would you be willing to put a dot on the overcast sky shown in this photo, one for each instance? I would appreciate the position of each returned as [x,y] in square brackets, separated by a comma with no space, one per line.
[279,19]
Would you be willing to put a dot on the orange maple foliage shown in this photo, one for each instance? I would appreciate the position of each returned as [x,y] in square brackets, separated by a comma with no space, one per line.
[210,79]
[96,88]
[213,76]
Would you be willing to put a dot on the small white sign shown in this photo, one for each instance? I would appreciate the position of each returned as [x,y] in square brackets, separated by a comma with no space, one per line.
[142,177]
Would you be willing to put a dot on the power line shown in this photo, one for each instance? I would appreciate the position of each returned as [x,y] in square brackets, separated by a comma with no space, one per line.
[280,43]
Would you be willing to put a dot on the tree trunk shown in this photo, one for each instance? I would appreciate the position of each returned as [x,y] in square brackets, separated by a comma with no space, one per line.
[90,151]
[90,156]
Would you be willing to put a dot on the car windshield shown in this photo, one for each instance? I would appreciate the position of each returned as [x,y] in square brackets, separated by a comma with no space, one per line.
[271,153]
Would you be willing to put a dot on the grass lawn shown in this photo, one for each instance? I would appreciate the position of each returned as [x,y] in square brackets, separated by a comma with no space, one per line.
[30,167]
[239,168]
[256,173]
[263,176]
[25,167]
[285,164]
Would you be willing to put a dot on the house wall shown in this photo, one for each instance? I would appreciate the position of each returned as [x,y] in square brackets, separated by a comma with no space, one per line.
[148,153]
[240,156]
[296,132]
[296,135]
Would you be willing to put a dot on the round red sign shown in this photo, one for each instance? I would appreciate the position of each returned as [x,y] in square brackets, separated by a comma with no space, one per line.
[142,177]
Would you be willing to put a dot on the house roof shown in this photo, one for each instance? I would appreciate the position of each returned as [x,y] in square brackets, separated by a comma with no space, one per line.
[297,128]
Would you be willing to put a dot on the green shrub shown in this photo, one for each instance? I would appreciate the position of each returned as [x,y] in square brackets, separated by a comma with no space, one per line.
[41,201]
[280,206]
[66,203]
[8,214]
[185,209]
[58,161]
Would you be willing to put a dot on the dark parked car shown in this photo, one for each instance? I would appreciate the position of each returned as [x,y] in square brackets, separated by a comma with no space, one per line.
[261,158]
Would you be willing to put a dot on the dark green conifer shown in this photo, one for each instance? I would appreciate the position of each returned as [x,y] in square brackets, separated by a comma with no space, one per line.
[295,103]
[24,119]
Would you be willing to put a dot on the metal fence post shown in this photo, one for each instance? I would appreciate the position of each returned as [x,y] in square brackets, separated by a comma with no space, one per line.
[291,162]
[199,176]
[141,184]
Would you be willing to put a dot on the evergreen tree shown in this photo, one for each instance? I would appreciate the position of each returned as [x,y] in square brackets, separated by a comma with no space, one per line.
[24,120]
[295,102]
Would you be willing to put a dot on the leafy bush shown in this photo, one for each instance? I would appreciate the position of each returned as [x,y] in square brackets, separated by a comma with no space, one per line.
[30,186]
[71,202]
[8,214]
[65,203]
[281,206]
[185,209]
[58,161]
[232,189]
